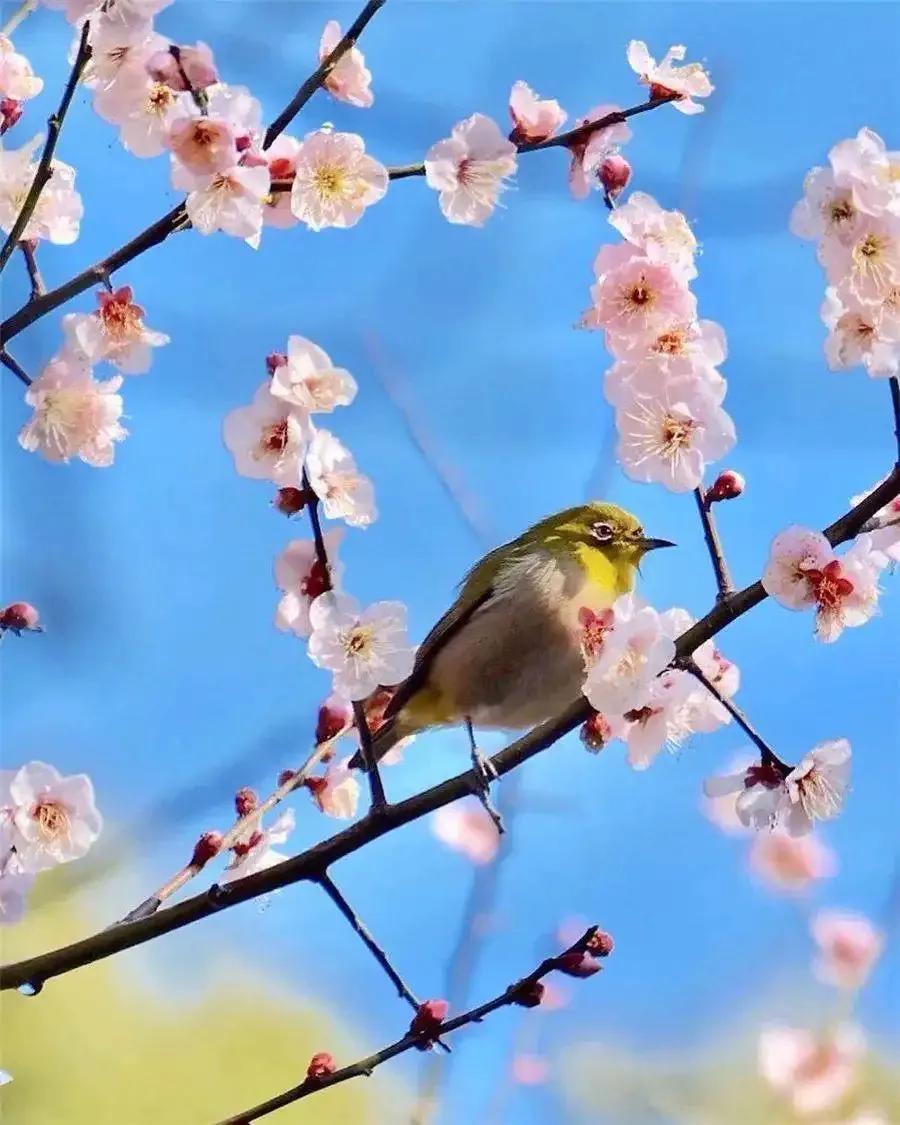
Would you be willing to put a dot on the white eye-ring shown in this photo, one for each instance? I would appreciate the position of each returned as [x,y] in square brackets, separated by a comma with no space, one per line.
[602,532]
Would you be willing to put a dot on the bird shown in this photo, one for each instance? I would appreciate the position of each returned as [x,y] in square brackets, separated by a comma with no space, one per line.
[507,654]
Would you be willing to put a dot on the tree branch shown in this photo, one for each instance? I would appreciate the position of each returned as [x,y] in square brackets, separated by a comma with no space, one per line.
[714,545]
[7,360]
[511,995]
[21,13]
[44,170]
[38,289]
[895,402]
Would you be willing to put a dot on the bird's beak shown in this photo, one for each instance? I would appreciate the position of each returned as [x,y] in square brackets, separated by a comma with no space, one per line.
[654,544]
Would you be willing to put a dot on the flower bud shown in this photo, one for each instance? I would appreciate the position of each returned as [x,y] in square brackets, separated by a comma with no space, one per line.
[575,964]
[209,845]
[281,168]
[245,847]
[196,65]
[289,501]
[318,581]
[595,732]
[274,360]
[727,486]
[613,173]
[601,944]
[529,994]
[245,801]
[20,617]
[375,707]
[427,1021]
[335,715]
[320,1065]
[285,776]
[10,112]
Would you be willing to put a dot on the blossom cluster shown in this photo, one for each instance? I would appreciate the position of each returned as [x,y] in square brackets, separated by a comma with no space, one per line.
[18,83]
[851,209]
[638,697]
[45,819]
[664,384]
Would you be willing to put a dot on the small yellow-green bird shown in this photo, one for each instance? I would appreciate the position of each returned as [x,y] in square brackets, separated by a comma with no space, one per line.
[507,654]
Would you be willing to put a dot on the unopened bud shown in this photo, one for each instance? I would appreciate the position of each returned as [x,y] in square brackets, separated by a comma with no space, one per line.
[245,801]
[375,707]
[10,112]
[274,360]
[601,944]
[289,501]
[529,994]
[614,173]
[727,486]
[245,847]
[320,1065]
[427,1021]
[595,732]
[196,65]
[20,617]
[281,168]
[209,845]
[335,715]
[285,776]
[575,964]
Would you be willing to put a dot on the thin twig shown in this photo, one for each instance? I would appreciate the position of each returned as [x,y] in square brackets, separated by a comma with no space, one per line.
[310,864]
[7,360]
[714,545]
[768,755]
[198,97]
[44,170]
[38,289]
[21,13]
[895,403]
[510,995]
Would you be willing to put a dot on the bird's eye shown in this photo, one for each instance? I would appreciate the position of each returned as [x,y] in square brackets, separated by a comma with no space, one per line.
[602,532]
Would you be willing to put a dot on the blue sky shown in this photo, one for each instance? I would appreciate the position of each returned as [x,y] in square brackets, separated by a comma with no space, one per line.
[161,673]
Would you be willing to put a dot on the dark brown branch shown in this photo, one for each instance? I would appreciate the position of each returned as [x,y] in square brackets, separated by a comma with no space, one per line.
[44,170]
[895,402]
[510,995]
[714,545]
[7,360]
[38,289]
[309,865]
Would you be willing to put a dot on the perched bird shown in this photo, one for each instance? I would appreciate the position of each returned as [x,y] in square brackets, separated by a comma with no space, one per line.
[507,654]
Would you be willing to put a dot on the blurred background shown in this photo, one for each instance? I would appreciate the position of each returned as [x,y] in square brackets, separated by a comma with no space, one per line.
[161,674]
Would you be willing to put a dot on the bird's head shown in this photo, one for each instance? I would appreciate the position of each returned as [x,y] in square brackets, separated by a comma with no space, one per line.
[602,527]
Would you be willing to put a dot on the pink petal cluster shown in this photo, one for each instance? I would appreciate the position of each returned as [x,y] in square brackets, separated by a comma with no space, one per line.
[309,380]
[300,577]
[349,80]
[344,491]
[791,863]
[885,541]
[17,80]
[533,118]
[812,1073]
[589,155]
[362,648]
[804,572]
[334,180]
[253,851]
[851,209]
[665,77]
[194,68]
[337,793]
[849,945]
[469,168]
[268,439]
[465,827]
[115,333]
[57,216]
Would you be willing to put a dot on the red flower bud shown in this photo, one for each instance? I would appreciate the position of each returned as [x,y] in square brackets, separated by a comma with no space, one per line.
[245,847]
[289,501]
[427,1021]
[285,776]
[614,174]
[375,707]
[275,360]
[209,845]
[595,732]
[727,486]
[10,112]
[575,964]
[281,168]
[245,801]
[19,617]
[601,944]
[529,994]
[320,1065]
[335,715]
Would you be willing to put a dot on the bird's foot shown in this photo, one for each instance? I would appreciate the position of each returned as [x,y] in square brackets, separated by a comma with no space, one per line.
[486,772]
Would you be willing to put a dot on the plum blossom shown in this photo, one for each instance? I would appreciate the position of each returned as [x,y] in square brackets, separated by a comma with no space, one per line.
[204,145]
[337,793]
[57,216]
[813,1073]
[310,381]
[127,12]
[861,334]
[120,53]
[301,577]
[344,491]
[17,80]
[349,80]
[757,791]
[826,209]
[688,82]
[230,201]
[533,118]
[791,863]
[662,236]
[363,648]
[268,439]
[634,297]
[282,158]
[671,437]
[869,266]
[334,180]
[115,332]
[468,169]
[629,379]
[467,828]
[885,541]
[14,888]
[55,819]
[816,787]
[589,154]
[849,945]
[719,804]
[255,851]
[863,164]
[75,415]
[702,342]
[196,64]
[142,109]
[794,552]
[630,658]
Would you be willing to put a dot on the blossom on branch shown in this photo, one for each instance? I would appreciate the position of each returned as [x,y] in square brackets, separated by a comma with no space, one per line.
[589,154]
[230,201]
[196,64]
[363,648]
[337,793]
[885,541]
[268,439]
[53,820]
[637,298]
[115,332]
[254,852]
[468,169]
[688,82]
[349,80]
[310,381]
[334,180]
[17,80]
[662,236]
[816,787]
[143,110]
[57,215]
[533,118]
[344,491]
[299,574]
[630,658]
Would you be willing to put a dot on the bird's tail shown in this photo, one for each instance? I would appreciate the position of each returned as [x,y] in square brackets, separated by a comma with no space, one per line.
[383,740]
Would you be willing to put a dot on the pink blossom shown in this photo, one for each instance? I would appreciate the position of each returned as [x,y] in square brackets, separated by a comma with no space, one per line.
[196,64]
[757,792]
[631,657]
[465,827]
[74,414]
[468,169]
[14,888]
[663,718]
[127,12]
[204,145]
[344,491]
[349,80]
[614,175]
[588,154]
[864,165]
[815,789]
[861,334]
[300,576]
[793,554]
[662,236]
[115,332]
[309,380]
[334,180]
[17,80]
[230,201]
[638,298]
[268,439]
[688,82]
[337,794]
[701,341]
[55,818]
[814,1074]
[119,54]
[720,798]
[886,540]
[255,852]
[282,158]
[533,118]
[629,379]
[143,110]
[849,945]
[827,209]
[868,266]
[791,863]
[57,216]
[362,648]
[670,438]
